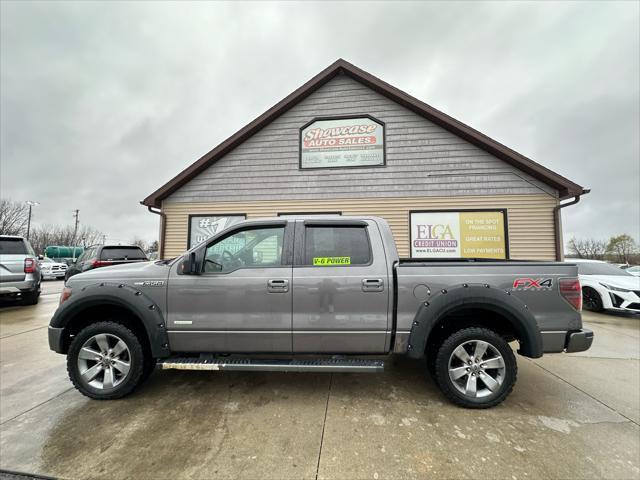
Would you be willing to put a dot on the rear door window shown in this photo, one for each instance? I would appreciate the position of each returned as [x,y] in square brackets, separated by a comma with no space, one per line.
[122,253]
[336,246]
[12,246]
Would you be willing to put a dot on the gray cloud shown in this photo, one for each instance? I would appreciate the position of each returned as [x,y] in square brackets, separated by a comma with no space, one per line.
[101,103]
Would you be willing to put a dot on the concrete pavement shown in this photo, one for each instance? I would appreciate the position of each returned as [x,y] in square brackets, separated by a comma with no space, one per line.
[570,416]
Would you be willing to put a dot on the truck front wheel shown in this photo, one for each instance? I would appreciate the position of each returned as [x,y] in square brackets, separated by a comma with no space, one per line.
[476,368]
[105,361]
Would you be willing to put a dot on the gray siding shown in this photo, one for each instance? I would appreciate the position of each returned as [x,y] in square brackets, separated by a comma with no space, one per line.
[423,159]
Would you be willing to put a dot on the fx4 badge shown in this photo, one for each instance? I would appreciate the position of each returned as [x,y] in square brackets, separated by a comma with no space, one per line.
[150,283]
[533,284]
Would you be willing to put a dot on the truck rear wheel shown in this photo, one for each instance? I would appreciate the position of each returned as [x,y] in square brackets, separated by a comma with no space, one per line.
[106,361]
[30,298]
[476,368]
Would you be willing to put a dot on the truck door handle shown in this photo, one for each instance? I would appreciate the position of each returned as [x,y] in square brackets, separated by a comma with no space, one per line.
[278,286]
[372,285]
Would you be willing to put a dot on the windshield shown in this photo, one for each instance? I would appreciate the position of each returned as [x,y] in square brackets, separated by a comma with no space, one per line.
[46,260]
[595,268]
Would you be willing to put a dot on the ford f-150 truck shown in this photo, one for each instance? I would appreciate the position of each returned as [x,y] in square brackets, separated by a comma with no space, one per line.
[316,294]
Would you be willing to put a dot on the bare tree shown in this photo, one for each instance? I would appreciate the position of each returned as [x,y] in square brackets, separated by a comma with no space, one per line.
[62,235]
[622,248]
[140,243]
[587,248]
[13,217]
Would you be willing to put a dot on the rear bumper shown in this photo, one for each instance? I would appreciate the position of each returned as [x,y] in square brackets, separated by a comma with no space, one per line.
[23,286]
[579,341]
[55,339]
[567,341]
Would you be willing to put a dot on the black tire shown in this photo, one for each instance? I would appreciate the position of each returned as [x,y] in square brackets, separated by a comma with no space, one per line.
[149,367]
[466,337]
[30,298]
[592,300]
[431,355]
[136,359]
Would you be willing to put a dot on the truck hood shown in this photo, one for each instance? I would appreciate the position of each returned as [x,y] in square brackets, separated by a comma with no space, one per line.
[125,273]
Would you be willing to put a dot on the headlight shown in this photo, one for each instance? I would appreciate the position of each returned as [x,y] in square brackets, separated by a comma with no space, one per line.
[615,289]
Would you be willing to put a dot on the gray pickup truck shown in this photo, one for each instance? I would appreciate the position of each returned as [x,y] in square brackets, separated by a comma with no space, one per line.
[316,295]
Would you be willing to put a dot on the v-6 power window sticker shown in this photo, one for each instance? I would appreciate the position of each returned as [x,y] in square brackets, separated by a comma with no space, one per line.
[326,261]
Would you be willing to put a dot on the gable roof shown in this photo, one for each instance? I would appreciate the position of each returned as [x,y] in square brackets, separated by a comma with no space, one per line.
[565,187]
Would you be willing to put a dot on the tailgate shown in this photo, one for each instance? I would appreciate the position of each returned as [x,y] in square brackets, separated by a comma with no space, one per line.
[12,268]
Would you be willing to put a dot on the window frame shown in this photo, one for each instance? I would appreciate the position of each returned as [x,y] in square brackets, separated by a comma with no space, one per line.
[286,256]
[310,214]
[301,238]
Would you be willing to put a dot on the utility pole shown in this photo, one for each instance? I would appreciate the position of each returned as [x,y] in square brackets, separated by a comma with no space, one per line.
[31,204]
[76,214]
[104,239]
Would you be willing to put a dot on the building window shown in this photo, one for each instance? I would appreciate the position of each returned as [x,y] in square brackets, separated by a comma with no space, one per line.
[202,227]
[459,234]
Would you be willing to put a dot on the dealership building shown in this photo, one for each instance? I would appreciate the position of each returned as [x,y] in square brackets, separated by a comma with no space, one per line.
[348,143]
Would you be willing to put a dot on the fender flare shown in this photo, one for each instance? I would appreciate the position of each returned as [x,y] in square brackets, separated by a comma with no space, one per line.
[485,297]
[123,296]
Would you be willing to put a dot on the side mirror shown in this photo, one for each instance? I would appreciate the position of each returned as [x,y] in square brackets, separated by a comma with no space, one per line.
[190,264]
[40,257]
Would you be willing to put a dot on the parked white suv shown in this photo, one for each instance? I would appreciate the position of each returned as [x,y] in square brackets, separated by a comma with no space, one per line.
[19,269]
[607,287]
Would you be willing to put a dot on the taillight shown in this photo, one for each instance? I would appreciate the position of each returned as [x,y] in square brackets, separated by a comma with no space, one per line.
[571,291]
[29,265]
[64,296]
[100,263]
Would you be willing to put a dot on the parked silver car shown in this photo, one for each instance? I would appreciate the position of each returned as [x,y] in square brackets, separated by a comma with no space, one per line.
[19,270]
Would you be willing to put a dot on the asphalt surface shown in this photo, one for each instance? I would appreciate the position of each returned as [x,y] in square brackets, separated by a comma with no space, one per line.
[570,416]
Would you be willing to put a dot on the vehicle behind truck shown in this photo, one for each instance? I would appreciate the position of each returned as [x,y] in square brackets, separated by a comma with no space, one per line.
[19,270]
[316,295]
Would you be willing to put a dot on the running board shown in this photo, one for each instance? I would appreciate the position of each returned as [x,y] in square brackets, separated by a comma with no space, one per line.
[329,365]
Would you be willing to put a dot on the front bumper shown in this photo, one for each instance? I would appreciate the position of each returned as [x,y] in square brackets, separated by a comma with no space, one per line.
[567,341]
[56,274]
[56,340]
[623,301]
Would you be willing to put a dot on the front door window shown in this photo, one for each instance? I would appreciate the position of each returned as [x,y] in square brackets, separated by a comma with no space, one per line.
[249,248]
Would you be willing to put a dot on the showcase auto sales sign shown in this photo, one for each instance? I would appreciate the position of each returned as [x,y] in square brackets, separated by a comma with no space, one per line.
[342,142]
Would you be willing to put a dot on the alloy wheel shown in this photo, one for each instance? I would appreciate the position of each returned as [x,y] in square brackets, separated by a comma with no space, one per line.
[476,369]
[104,361]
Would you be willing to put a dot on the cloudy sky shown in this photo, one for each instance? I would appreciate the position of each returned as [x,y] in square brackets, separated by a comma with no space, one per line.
[101,103]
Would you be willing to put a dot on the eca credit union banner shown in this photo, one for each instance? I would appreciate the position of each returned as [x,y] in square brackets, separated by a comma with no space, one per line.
[343,142]
[473,234]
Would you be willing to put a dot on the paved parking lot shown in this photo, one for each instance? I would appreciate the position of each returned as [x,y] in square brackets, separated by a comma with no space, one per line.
[570,416]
